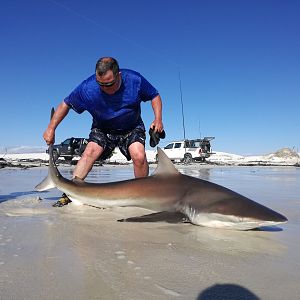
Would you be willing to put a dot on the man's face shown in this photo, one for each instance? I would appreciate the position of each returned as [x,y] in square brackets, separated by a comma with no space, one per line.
[109,83]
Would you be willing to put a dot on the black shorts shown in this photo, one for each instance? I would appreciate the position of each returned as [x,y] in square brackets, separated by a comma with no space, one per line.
[109,141]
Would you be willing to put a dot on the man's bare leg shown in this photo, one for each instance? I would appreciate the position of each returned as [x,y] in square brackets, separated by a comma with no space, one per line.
[87,160]
[138,156]
[83,167]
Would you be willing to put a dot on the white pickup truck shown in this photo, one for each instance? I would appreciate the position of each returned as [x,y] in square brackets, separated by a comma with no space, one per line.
[188,151]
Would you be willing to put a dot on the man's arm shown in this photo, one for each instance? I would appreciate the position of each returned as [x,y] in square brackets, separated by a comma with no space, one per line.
[60,113]
[157,124]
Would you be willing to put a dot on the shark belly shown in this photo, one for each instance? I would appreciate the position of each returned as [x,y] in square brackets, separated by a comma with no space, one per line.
[216,220]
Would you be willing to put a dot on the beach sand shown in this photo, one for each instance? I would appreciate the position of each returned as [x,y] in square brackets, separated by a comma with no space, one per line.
[80,252]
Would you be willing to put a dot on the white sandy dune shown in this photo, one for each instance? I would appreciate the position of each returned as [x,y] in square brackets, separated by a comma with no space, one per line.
[284,157]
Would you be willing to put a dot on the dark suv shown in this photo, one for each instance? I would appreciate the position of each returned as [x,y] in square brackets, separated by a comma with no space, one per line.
[69,148]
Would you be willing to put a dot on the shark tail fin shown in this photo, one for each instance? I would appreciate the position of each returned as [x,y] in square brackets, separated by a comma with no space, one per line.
[164,164]
[46,184]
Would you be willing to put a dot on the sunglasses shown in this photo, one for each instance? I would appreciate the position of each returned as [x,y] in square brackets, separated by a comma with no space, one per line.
[107,84]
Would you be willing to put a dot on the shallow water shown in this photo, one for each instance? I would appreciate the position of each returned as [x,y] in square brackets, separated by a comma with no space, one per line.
[50,253]
[275,187]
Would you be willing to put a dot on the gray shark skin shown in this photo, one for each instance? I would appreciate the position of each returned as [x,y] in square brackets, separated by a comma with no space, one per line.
[204,203]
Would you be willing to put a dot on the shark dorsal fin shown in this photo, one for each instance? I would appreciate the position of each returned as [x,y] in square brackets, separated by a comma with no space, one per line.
[164,164]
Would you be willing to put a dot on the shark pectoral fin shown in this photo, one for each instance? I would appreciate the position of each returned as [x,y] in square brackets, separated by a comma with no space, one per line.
[46,184]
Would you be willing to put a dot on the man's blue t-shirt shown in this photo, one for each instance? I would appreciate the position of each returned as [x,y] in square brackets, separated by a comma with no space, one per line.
[118,112]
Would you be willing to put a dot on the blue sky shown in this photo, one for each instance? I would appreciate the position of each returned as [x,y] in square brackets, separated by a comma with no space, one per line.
[239,63]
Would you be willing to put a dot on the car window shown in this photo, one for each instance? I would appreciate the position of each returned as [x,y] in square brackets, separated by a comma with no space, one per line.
[187,144]
[66,142]
[170,146]
[190,144]
[177,145]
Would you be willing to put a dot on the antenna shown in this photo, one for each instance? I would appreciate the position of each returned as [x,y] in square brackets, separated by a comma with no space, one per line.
[199,129]
[182,111]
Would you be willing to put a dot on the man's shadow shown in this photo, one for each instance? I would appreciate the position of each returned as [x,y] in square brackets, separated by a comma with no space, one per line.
[226,292]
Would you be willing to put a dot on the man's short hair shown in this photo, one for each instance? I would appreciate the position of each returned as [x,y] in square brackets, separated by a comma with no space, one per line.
[105,64]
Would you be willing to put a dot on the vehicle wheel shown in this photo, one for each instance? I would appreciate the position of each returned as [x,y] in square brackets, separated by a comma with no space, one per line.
[68,158]
[55,155]
[187,158]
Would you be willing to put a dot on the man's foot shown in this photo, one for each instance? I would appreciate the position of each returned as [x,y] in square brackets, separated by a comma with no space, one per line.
[64,200]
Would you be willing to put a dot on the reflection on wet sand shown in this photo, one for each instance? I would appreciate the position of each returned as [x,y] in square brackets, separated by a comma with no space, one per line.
[234,242]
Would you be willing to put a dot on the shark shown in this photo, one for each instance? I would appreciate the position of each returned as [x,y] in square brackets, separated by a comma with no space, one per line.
[203,202]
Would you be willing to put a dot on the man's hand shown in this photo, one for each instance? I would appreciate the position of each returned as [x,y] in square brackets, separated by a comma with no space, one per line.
[61,111]
[157,125]
[49,136]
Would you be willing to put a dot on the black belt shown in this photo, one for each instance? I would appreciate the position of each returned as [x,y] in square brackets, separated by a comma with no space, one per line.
[116,132]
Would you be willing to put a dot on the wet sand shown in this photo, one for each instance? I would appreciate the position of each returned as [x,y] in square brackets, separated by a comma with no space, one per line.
[82,252]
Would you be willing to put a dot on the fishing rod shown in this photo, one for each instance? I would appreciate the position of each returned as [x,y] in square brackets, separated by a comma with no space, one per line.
[182,110]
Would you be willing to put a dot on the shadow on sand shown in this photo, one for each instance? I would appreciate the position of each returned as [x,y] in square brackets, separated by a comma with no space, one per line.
[163,216]
[227,292]
[15,195]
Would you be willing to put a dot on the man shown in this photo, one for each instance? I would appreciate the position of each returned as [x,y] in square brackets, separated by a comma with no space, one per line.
[113,97]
